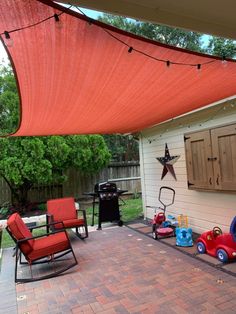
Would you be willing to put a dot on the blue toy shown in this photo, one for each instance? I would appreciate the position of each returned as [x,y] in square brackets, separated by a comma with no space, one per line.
[184,236]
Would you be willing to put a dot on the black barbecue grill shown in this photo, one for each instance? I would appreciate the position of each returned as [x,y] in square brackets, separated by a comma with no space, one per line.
[106,194]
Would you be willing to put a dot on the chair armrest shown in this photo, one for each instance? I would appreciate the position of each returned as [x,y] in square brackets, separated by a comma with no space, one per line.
[40,236]
[83,212]
[48,224]
[49,217]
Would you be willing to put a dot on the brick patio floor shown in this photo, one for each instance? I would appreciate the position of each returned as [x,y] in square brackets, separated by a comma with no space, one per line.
[122,271]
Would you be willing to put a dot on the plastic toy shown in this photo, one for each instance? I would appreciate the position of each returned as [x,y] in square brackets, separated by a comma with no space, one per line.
[161,227]
[172,220]
[183,233]
[219,244]
[183,221]
[184,237]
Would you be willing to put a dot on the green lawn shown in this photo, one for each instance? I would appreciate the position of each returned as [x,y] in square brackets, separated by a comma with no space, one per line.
[130,211]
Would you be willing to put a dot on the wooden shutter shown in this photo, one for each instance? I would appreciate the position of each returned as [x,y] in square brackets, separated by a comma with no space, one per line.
[198,161]
[224,149]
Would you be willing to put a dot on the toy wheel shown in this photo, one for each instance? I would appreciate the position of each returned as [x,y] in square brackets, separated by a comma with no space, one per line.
[154,235]
[120,223]
[154,227]
[222,256]
[201,248]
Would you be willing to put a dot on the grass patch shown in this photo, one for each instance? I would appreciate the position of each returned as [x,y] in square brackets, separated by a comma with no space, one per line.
[130,211]
[8,242]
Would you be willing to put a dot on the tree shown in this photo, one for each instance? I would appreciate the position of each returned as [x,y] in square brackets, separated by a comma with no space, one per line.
[222,47]
[9,101]
[122,147]
[164,34]
[25,161]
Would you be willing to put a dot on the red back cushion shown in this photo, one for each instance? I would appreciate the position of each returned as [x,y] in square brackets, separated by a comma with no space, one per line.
[62,208]
[20,231]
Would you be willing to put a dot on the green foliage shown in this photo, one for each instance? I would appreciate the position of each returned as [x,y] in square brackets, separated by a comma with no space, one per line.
[131,210]
[28,160]
[9,101]
[88,153]
[164,34]
[25,161]
[222,47]
[122,147]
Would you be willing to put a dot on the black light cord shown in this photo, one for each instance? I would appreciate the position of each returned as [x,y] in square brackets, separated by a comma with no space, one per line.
[130,48]
[55,16]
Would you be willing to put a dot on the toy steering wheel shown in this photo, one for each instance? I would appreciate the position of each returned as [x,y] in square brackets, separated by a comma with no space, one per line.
[217,231]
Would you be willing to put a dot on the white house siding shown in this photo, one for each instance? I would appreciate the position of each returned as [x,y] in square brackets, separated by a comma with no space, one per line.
[204,209]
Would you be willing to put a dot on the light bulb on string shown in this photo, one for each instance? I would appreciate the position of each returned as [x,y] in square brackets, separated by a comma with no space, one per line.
[58,22]
[168,64]
[199,66]
[8,40]
[130,49]
[224,61]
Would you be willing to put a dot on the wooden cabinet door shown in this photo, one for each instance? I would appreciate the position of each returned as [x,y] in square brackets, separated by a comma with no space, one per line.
[224,149]
[199,163]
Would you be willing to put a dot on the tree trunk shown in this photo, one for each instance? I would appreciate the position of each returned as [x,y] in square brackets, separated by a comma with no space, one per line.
[19,195]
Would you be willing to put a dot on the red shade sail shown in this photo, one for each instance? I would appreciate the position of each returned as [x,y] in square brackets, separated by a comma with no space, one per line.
[81,79]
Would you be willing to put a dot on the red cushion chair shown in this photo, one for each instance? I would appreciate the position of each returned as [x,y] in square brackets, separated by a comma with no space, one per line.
[63,209]
[38,249]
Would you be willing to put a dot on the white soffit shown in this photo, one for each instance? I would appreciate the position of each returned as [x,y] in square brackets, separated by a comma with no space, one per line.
[214,17]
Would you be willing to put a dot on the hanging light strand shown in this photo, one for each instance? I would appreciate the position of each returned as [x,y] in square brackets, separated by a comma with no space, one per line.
[55,16]
[130,48]
[214,115]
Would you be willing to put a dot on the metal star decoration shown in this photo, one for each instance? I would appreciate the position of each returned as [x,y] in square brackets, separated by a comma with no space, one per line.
[167,162]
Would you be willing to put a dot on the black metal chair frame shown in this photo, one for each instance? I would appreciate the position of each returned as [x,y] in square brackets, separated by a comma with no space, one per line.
[18,253]
[49,218]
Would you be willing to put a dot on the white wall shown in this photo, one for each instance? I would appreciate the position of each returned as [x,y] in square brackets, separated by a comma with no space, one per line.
[204,209]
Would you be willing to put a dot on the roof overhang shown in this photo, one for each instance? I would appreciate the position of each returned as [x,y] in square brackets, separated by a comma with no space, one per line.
[215,17]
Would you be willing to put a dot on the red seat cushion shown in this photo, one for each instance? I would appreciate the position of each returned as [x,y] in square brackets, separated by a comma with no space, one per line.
[51,244]
[70,223]
[62,208]
[164,231]
[20,231]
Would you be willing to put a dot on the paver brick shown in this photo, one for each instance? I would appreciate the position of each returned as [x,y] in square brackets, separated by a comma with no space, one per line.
[118,274]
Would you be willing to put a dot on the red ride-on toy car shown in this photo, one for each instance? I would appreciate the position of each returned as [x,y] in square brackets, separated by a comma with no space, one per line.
[161,227]
[219,244]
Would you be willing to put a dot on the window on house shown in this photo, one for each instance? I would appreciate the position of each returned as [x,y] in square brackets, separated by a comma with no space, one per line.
[211,159]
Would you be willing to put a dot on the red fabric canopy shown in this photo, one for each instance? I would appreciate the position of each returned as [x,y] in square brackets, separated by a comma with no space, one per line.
[80,79]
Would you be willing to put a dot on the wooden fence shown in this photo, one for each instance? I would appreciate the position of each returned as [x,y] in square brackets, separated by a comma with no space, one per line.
[126,175]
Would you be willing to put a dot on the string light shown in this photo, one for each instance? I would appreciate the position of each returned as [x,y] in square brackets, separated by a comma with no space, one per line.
[59,24]
[56,17]
[7,33]
[223,108]
[224,61]
[91,21]
[8,40]
[130,49]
